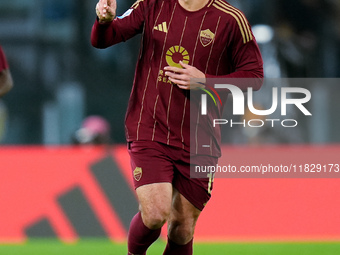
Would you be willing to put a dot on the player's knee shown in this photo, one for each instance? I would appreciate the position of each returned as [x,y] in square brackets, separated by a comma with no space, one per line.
[180,233]
[155,219]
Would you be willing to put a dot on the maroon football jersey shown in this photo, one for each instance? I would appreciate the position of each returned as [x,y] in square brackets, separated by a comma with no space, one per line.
[3,61]
[216,39]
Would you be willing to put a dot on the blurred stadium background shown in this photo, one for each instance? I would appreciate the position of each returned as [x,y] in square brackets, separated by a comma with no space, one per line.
[51,189]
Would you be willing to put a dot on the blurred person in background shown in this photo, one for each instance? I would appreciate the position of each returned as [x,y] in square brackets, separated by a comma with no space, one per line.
[304,35]
[6,82]
[95,130]
[336,26]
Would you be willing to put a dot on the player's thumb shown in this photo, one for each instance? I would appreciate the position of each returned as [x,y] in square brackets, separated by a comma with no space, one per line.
[109,3]
[111,6]
[183,64]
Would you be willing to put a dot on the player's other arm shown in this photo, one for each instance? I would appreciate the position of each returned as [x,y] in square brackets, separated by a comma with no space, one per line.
[248,67]
[6,81]
[102,34]
[109,29]
[246,58]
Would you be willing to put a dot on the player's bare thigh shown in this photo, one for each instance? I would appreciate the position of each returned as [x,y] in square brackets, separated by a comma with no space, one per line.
[182,220]
[155,203]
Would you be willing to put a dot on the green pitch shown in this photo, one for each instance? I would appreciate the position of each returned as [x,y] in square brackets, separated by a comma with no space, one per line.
[90,247]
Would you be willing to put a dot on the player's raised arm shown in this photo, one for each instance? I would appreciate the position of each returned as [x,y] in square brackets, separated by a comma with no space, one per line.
[103,35]
[109,29]
[106,10]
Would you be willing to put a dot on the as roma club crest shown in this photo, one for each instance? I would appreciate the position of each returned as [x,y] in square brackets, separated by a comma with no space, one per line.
[206,37]
[137,173]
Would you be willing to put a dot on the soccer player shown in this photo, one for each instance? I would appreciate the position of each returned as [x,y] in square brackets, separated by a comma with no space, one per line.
[181,40]
[6,82]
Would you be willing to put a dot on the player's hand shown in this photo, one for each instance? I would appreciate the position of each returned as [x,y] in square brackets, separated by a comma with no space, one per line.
[106,10]
[187,77]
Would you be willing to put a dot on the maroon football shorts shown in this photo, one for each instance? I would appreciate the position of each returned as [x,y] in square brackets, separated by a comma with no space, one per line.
[153,162]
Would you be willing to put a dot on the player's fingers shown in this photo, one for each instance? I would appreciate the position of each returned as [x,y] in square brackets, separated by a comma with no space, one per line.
[99,8]
[102,3]
[104,12]
[105,6]
[183,87]
[179,81]
[110,10]
[185,66]
[178,76]
[112,3]
[110,6]
[174,69]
